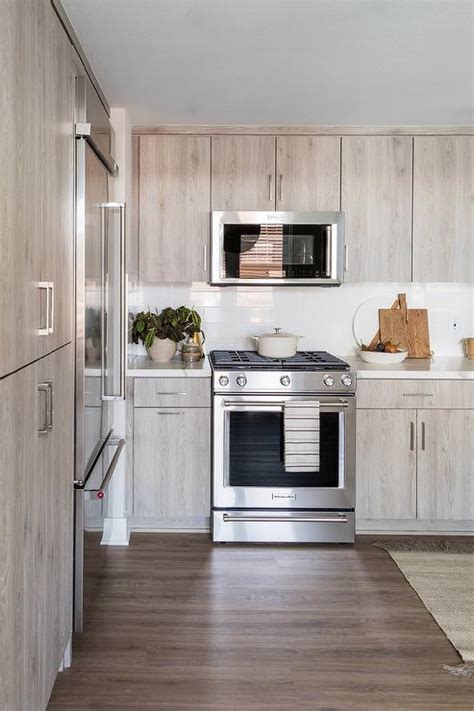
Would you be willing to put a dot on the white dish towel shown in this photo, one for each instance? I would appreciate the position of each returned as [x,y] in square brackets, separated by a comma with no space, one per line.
[301,429]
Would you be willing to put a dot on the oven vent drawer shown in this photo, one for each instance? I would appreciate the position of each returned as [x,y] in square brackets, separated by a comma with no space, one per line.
[283,527]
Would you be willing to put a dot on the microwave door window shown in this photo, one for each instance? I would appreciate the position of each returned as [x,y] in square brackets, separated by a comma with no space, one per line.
[307,251]
[253,252]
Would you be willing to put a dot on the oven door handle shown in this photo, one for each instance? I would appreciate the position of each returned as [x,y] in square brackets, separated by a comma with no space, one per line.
[278,405]
[229,518]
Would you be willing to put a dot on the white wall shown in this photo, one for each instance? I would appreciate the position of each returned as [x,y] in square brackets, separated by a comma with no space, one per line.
[323,316]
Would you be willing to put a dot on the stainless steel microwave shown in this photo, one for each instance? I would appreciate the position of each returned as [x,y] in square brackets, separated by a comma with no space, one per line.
[281,248]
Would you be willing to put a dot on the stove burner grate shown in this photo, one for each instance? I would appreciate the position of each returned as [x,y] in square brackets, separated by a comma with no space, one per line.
[251,360]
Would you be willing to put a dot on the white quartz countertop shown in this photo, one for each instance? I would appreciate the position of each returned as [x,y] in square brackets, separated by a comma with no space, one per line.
[144,367]
[442,368]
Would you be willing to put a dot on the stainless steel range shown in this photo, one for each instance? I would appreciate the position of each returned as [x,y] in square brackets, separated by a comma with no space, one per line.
[263,411]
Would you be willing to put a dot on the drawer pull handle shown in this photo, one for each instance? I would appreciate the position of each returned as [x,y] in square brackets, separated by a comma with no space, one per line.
[158,392]
[423,436]
[412,436]
[164,412]
[418,395]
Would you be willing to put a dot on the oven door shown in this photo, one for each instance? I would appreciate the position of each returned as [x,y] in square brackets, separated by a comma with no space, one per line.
[248,455]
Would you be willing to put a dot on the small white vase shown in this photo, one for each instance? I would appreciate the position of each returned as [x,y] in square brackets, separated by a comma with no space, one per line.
[162,350]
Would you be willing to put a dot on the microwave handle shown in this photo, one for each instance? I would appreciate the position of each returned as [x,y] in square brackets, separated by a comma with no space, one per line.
[346,258]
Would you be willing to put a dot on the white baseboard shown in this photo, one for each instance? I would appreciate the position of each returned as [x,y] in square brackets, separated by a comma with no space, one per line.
[116,532]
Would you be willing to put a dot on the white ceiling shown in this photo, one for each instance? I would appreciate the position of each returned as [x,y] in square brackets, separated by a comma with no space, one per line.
[282,62]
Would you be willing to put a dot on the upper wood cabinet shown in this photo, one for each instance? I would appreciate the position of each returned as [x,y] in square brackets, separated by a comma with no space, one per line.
[174,207]
[376,200]
[243,173]
[36,183]
[58,182]
[308,173]
[443,208]
[303,173]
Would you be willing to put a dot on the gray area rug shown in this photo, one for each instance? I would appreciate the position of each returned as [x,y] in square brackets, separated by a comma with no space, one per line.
[442,574]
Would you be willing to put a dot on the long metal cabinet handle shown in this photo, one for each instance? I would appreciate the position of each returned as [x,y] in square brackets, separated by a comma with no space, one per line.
[423,436]
[346,258]
[50,405]
[51,307]
[270,186]
[44,428]
[204,257]
[44,287]
[412,436]
[285,519]
[234,403]
[121,206]
[165,412]
[280,187]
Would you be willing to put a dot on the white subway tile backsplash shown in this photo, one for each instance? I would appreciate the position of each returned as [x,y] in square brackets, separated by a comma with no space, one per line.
[322,316]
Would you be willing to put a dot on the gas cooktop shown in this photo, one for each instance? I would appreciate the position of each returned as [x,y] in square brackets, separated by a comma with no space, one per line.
[251,360]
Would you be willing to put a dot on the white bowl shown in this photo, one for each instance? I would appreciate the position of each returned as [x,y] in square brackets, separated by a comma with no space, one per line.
[377,358]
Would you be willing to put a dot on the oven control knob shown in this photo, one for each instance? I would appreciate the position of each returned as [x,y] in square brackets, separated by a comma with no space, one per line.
[285,380]
[223,380]
[346,380]
[241,380]
[328,380]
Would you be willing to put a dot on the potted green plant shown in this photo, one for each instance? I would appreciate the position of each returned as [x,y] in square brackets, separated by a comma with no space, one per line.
[160,332]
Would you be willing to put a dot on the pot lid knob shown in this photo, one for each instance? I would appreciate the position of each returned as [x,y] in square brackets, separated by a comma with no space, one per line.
[277,330]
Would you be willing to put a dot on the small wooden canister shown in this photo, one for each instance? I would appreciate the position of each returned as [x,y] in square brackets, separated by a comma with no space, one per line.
[469,348]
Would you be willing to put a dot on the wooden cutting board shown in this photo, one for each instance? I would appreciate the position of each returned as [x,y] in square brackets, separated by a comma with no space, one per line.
[408,328]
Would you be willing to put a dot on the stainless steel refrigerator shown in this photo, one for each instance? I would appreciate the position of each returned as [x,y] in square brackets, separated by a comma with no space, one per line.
[100,336]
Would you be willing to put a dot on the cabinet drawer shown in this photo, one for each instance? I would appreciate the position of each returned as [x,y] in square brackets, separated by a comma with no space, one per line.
[426,394]
[172,392]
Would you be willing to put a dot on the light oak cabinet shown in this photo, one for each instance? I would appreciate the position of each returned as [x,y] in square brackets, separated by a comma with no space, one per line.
[243,173]
[308,173]
[443,208]
[36,523]
[446,464]
[415,452]
[174,208]
[386,464]
[288,173]
[171,453]
[376,200]
[36,219]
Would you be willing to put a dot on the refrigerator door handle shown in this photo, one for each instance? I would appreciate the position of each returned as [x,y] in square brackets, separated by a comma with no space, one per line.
[119,298]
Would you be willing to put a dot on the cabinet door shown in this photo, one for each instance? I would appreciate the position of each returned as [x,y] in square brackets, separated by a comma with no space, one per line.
[243,173]
[174,205]
[21,178]
[446,464]
[55,500]
[386,464]
[58,201]
[376,200]
[172,466]
[443,208]
[308,173]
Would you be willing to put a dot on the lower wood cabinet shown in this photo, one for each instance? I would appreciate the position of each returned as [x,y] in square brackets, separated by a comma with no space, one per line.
[415,465]
[386,464]
[446,464]
[36,525]
[171,467]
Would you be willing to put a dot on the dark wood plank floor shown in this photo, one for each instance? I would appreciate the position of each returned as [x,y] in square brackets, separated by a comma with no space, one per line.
[181,624]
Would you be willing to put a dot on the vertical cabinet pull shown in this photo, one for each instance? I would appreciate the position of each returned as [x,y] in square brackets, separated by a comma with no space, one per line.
[280,187]
[46,289]
[44,292]
[346,258]
[412,436]
[270,186]
[51,307]
[204,257]
[49,420]
[423,437]
[43,389]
